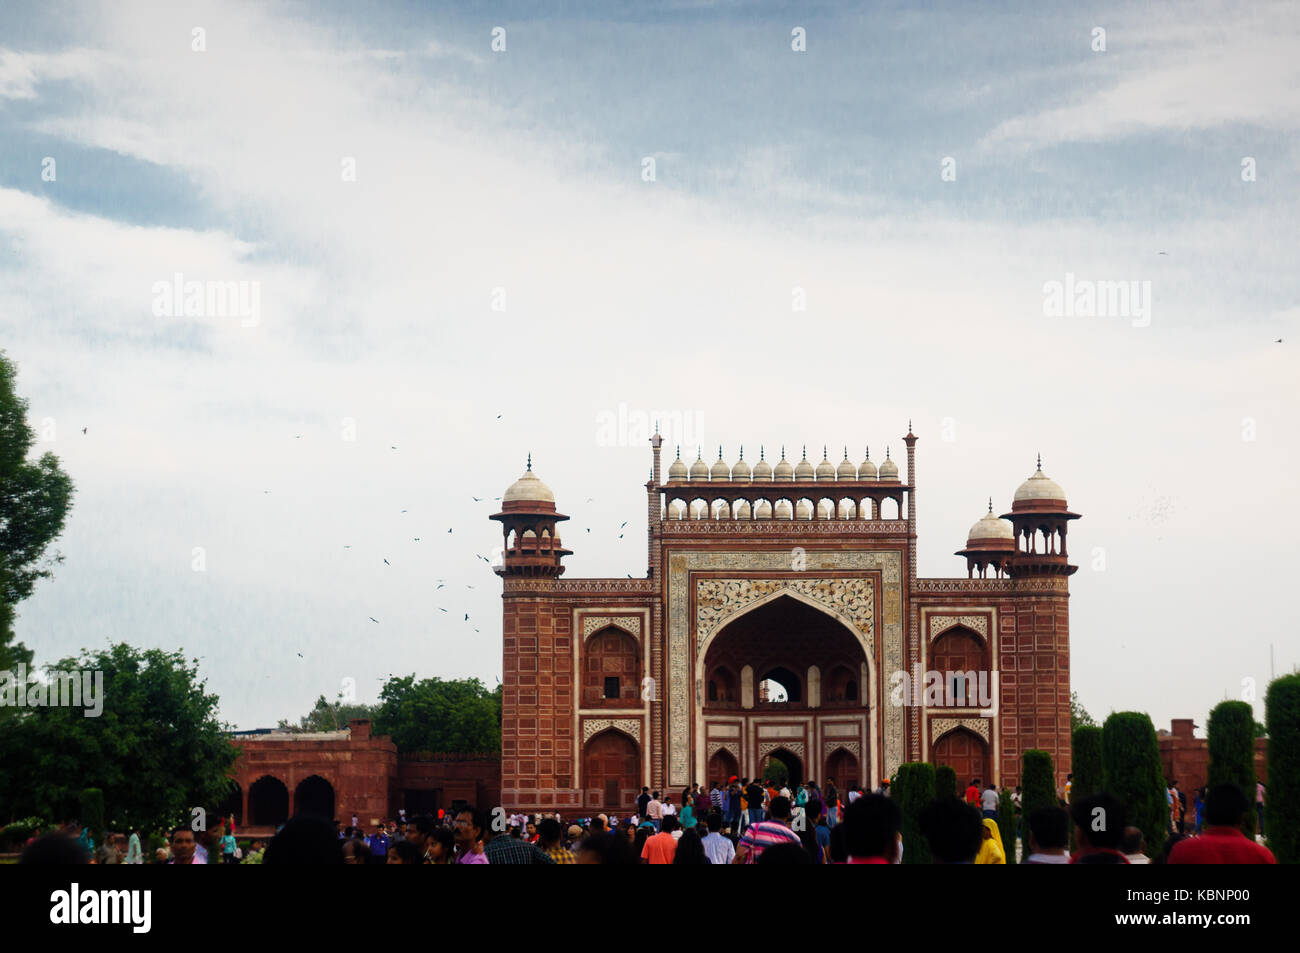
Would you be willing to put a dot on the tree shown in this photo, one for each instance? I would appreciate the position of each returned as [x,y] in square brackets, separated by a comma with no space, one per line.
[914,789]
[1008,822]
[1130,761]
[777,772]
[156,750]
[945,781]
[446,716]
[1230,735]
[1079,717]
[1038,787]
[34,500]
[1282,800]
[329,716]
[1086,761]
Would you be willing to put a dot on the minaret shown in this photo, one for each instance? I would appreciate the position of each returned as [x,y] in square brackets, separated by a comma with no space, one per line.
[1041,520]
[528,514]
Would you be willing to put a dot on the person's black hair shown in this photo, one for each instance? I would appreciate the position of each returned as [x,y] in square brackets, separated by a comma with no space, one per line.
[656,795]
[690,849]
[839,844]
[1131,842]
[477,819]
[1225,806]
[407,852]
[1050,826]
[425,824]
[644,789]
[609,850]
[714,821]
[953,830]
[1104,809]
[445,837]
[642,833]
[55,848]
[305,839]
[549,831]
[669,824]
[780,808]
[181,827]
[1170,841]
[785,854]
[871,826]
[359,848]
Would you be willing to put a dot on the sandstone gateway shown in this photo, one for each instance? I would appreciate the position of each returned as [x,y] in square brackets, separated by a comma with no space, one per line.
[801,576]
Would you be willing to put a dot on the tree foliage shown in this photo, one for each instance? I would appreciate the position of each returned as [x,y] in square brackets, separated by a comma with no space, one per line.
[945,781]
[914,789]
[34,500]
[1282,799]
[1131,771]
[1008,822]
[329,716]
[442,715]
[1085,762]
[156,750]
[1079,717]
[1037,786]
[1231,741]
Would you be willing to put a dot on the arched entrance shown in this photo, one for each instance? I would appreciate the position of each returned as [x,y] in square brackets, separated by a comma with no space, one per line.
[232,803]
[842,766]
[268,802]
[314,795]
[611,775]
[723,766]
[783,760]
[966,753]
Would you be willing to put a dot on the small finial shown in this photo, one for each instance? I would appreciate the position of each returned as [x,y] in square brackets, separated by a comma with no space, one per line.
[868,451]
[909,424]
[530,460]
[761,452]
[656,426]
[824,460]
[805,451]
[990,506]
[1040,461]
[742,451]
[846,451]
[699,452]
[679,451]
[719,451]
[782,451]
[886,451]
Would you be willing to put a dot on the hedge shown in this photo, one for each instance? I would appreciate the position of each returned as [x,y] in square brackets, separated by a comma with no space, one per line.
[1007,825]
[1038,786]
[1085,762]
[1231,733]
[914,789]
[1282,798]
[1130,762]
[945,782]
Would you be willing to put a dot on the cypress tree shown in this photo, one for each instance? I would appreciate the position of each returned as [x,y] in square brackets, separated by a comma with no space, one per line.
[945,782]
[1086,762]
[1282,798]
[1130,762]
[1231,733]
[1038,786]
[1007,825]
[914,789]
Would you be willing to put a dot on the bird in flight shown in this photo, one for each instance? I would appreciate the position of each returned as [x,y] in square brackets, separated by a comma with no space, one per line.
[466,616]
[1162,253]
[441,609]
[621,525]
[417,539]
[476,499]
[374,620]
[387,563]
[83,429]
[440,585]
[346,546]
[299,655]
[449,529]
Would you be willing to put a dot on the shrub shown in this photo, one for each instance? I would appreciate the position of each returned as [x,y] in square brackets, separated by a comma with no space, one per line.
[1085,762]
[1231,733]
[1008,822]
[913,790]
[15,835]
[91,804]
[1038,786]
[1282,799]
[945,782]
[1130,761]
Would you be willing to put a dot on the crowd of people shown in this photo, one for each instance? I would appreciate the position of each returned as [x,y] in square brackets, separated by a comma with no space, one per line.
[734,822]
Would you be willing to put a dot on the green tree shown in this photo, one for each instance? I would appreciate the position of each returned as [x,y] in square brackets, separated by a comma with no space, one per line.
[1282,799]
[91,812]
[945,781]
[1130,761]
[156,749]
[34,500]
[914,789]
[1230,734]
[777,772]
[446,716]
[329,716]
[1079,717]
[1008,823]
[1085,761]
[1037,787]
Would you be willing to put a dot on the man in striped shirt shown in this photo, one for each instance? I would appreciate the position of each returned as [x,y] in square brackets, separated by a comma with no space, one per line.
[764,834]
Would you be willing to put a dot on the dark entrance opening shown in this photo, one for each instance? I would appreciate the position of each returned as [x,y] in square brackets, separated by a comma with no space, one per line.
[315,796]
[268,802]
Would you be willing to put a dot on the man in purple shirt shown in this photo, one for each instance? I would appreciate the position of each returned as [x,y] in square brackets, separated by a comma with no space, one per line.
[470,823]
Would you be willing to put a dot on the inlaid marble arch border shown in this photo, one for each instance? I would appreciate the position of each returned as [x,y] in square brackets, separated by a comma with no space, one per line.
[681,632]
[935,621]
[587,621]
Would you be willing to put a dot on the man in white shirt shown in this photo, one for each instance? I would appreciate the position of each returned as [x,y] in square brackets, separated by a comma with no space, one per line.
[654,811]
[989,801]
[1049,835]
[719,849]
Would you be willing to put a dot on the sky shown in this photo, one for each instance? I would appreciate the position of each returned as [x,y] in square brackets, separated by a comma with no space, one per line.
[453,256]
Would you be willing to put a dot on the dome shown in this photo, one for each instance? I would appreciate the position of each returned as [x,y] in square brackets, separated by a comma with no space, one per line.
[868,469]
[742,510]
[783,509]
[699,469]
[803,470]
[825,469]
[740,472]
[804,510]
[888,469]
[990,527]
[783,472]
[678,469]
[763,510]
[762,469]
[846,470]
[528,488]
[720,470]
[1040,488]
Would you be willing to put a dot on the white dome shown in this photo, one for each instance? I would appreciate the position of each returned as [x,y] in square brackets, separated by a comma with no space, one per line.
[991,527]
[762,469]
[740,472]
[825,469]
[528,488]
[868,469]
[783,509]
[1040,487]
[699,469]
[720,470]
[803,470]
[783,471]
[888,469]
[846,470]
[678,469]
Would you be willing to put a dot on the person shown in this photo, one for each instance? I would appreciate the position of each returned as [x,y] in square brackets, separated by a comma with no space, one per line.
[754,798]
[703,802]
[184,847]
[1200,807]
[134,855]
[668,809]
[228,847]
[1172,797]
[1133,846]
[1222,841]
[1049,836]
[442,847]
[662,847]
[991,851]
[973,792]
[530,832]
[719,849]
[379,841]
[54,849]
[765,834]
[687,818]
[405,852]
[953,829]
[715,797]
[832,803]
[1098,829]
[871,832]
[655,811]
[1182,811]
[468,829]
[643,801]
[1259,805]
[989,803]
[690,849]
[507,849]
[814,834]
[1069,785]
[549,840]
[356,851]
[304,839]
[1015,797]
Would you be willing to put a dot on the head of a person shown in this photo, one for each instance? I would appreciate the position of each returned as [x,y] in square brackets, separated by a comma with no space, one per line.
[183,844]
[1225,805]
[469,827]
[356,851]
[601,849]
[669,824]
[780,808]
[1099,821]
[645,790]
[304,839]
[785,854]
[442,845]
[404,852]
[1132,842]
[656,795]
[1049,828]
[531,830]
[871,827]
[54,848]
[953,829]
[548,832]
[690,849]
